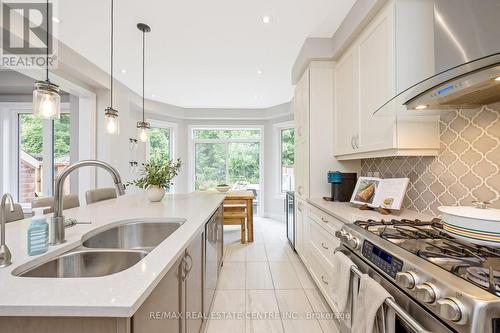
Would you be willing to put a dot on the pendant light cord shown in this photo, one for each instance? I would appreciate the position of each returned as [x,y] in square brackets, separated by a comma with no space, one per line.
[143,61]
[112,53]
[47,59]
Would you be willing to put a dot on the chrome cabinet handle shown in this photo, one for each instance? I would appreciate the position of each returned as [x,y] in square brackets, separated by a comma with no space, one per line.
[323,280]
[324,220]
[324,246]
[356,141]
[352,142]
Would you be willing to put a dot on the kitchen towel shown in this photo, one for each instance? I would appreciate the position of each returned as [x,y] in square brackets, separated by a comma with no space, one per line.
[341,280]
[369,313]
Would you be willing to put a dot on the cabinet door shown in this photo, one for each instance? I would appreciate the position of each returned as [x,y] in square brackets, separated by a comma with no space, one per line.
[377,83]
[300,215]
[301,169]
[346,103]
[164,299]
[194,286]
[301,108]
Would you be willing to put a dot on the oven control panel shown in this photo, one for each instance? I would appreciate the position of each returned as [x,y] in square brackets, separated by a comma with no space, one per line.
[383,260]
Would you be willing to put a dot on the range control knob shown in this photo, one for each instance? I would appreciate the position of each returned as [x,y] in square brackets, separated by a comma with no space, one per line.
[450,309]
[340,234]
[426,292]
[406,279]
[353,243]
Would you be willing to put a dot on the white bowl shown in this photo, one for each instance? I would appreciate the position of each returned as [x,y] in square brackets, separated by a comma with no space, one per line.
[471,224]
[223,189]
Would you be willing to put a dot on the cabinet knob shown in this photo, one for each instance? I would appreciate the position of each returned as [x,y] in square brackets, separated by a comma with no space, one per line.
[426,292]
[449,308]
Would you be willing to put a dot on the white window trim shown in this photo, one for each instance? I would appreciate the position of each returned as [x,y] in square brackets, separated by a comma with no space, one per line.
[277,128]
[14,110]
[191,153]
[173,127]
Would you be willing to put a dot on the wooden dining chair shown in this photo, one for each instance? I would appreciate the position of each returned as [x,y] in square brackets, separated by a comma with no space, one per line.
[235,213]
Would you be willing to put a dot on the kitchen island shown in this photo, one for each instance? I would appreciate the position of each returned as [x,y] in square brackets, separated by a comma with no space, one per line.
[108,302]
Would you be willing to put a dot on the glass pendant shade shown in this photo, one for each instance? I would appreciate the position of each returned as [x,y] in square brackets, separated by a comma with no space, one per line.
[46,100]
[111,121]
[142,130]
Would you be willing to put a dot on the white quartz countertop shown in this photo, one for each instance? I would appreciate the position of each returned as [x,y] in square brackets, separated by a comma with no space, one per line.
[349,213]
[116,295]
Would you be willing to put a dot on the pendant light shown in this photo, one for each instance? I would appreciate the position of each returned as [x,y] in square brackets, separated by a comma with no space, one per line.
[143,126]
[111,121]
[46,99]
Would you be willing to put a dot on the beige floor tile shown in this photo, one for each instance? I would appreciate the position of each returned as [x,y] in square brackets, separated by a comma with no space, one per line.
[277,252]
[232,276]
[226,326]
[321,308]
[236,252]
[258,275]
[296,312]
[256,252]
[284,276]
[263,312]
[303,275]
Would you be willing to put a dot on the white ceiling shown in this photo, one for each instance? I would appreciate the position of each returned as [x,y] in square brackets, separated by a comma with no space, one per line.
[204,53]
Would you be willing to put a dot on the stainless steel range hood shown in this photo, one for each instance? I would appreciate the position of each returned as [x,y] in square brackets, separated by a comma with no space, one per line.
[466,58]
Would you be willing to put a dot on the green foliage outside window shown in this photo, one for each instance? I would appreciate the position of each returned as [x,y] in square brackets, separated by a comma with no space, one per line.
[287,147]
[31,138]
[159,145]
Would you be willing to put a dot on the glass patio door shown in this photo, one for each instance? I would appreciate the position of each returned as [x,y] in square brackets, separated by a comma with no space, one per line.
[231,157]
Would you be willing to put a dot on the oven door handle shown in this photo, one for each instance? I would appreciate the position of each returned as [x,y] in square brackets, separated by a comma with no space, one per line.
[400,312]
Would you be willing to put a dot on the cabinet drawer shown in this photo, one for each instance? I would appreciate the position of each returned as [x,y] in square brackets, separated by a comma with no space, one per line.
[323,242]
[328,222]
[321,271]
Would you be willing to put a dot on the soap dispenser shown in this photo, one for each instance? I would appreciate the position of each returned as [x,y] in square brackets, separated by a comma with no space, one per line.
[38,233]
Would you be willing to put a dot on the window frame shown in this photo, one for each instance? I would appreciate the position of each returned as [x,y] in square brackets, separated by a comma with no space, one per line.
[192,153]
[173,127]
[278,147]
[48,135]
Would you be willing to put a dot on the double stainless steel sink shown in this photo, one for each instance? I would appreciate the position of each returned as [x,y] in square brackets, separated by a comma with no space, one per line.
[107,250]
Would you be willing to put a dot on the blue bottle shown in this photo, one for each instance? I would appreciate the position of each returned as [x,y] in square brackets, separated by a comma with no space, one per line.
[38,233]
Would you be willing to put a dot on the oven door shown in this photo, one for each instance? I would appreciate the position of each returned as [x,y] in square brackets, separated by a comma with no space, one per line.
[410,315]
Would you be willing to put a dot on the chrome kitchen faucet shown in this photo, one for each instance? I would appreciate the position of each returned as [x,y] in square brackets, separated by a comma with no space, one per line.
[57,234]
[5,257]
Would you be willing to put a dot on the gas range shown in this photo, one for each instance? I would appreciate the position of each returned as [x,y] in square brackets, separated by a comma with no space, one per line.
[457,282]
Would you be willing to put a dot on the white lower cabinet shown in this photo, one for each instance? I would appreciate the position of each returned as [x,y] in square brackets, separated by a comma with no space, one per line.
[318,243]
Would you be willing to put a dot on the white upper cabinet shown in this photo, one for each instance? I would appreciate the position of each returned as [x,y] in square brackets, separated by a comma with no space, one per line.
[313,114]
[346,92]
[365,79]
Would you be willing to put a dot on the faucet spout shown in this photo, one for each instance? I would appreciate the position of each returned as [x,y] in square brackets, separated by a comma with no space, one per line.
[5,256]
[57,233]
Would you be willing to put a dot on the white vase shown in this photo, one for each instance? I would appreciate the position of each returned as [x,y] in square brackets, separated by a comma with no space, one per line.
[155,193]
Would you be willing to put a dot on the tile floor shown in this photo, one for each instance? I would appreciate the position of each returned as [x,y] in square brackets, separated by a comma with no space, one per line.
[264,288]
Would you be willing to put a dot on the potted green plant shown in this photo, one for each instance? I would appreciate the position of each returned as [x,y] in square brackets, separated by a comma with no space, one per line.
[156,178]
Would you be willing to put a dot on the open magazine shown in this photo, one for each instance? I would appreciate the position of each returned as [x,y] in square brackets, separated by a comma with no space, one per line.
[377,192]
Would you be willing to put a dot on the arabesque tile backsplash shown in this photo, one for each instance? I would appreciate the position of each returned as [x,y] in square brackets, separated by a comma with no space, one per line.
[466,169]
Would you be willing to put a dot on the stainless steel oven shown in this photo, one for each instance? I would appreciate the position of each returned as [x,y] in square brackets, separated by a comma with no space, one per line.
[410,316]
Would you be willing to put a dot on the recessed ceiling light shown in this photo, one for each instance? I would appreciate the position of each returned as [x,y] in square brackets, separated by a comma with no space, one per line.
[153,95]
[420,107]
[266,19]
[259,72]
[124,71]
[497,79]
[55,19]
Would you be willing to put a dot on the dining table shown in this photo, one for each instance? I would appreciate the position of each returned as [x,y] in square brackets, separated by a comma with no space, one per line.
[245,197]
